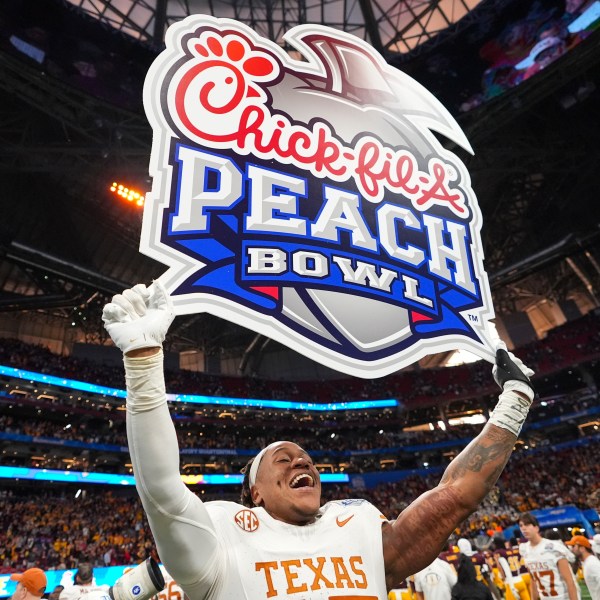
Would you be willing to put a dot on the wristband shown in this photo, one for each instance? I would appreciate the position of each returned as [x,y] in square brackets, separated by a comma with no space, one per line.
[145,382]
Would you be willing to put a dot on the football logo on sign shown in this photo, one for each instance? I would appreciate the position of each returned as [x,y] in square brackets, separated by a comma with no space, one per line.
[309,200]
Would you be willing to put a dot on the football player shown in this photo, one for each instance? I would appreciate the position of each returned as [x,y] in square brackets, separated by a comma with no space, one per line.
[547,562]
[280,541]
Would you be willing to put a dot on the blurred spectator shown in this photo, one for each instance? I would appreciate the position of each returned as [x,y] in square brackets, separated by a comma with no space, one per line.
[467,587]
[30,585]
[590,565]
[55,593]
[84,585]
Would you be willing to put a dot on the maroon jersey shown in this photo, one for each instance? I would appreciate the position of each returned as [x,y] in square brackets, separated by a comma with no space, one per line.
[513,558]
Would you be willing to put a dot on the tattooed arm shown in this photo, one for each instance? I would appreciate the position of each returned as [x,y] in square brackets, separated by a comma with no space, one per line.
[417,536]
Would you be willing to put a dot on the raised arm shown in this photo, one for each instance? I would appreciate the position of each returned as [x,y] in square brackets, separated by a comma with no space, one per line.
[137,321]
[433,516]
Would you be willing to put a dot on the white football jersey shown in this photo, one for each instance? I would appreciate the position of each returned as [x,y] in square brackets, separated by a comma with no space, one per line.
[436,580]
[85,592]
[339,555]
[171,591]
[591,575]
[541,561]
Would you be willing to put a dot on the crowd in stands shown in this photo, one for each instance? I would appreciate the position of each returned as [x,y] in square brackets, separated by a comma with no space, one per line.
[341,448]
[51,530]
[342,441]
[105,527]
[230,437]
[534,480]
[566,346]
[55,530]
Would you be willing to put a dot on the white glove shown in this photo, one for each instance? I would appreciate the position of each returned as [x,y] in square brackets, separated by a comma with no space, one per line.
[139,317]
[510,373]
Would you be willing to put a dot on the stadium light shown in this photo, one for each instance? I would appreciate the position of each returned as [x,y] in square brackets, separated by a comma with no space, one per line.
[93,388]
[129,194]
[70,476]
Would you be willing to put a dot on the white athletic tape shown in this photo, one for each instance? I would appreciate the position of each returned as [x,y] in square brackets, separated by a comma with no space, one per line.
[145,382]
[510,412]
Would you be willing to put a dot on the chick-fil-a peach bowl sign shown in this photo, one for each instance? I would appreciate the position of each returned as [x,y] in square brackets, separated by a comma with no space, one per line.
[308,200]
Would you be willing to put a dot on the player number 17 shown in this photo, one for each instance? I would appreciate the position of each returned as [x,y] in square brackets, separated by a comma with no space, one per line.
[538,575]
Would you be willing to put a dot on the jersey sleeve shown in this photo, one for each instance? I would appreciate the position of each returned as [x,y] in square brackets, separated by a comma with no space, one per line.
[561,551]
[69,593]
[503,565]
[523,550]
[592,574]
[184,533]
[369,508]
[450,574]
[417,583]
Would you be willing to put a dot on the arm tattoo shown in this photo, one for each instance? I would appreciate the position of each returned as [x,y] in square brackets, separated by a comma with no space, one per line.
[478,456]
[433,517]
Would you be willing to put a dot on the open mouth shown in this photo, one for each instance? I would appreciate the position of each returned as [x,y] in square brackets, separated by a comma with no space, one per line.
[302,480]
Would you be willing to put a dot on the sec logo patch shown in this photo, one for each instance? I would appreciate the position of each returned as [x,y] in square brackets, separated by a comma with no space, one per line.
[247,520]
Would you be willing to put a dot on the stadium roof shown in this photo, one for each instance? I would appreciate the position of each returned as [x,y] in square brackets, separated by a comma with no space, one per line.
[66,245]
[389,25]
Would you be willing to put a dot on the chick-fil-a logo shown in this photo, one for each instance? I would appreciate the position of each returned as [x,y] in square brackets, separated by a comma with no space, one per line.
[218,99]
[307,198]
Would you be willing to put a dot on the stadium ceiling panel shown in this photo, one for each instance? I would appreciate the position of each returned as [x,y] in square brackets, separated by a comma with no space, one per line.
[393,26]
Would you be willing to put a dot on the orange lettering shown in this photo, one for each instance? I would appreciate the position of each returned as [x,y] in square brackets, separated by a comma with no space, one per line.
[362,582]
[266,567]
[318,571]
[341,573]
[290,576]
[548,589]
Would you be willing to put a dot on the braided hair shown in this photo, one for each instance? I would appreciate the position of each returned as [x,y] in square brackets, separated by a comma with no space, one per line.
[246,495]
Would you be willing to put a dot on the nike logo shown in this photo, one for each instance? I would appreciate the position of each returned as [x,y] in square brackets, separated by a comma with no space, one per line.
[342,522]
[131,340]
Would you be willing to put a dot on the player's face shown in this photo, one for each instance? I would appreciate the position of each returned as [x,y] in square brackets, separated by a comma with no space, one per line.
[20,592]
[529,531]
[576,550]
[288,485]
